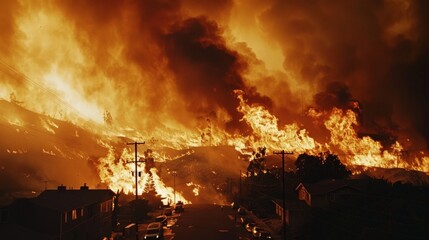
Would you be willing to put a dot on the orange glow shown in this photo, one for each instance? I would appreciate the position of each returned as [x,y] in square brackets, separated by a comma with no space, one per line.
[235,73]
[267,133]
[365,151]
[118,174]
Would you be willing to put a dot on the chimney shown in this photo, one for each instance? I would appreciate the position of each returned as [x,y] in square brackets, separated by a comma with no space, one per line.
[84,187]
[61,188]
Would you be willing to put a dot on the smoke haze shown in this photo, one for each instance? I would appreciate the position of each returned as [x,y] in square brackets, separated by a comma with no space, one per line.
[173,64]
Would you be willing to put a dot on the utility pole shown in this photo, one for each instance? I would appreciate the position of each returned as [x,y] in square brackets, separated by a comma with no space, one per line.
[174,186]
[136,176]
[283,153]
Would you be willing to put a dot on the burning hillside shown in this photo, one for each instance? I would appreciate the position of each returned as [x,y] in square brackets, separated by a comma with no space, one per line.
[348,78]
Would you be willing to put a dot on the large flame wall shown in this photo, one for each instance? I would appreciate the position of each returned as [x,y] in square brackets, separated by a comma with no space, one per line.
[344,76]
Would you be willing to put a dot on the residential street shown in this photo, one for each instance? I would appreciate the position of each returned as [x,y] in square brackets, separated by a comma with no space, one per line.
[208,222]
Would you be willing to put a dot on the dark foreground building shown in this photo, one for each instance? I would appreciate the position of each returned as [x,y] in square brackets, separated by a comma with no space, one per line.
[63,214]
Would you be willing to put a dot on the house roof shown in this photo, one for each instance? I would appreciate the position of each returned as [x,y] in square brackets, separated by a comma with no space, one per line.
[64,200]
[328,186]
[290,203]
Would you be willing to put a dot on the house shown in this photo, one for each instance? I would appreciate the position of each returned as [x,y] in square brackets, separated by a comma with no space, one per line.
[65,213]
[322,193]
[296,211]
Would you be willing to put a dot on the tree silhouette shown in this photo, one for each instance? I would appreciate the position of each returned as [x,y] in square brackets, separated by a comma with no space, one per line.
[333,168]
[141,206]
[311,168]
[308,168]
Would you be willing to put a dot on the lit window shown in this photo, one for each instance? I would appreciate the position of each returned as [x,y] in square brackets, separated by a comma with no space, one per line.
[74,214]
[81,212]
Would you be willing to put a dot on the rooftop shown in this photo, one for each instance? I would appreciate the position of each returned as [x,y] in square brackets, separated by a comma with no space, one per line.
[328,186]
[67,199]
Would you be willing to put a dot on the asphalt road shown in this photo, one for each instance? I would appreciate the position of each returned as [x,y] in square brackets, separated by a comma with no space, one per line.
[208,222]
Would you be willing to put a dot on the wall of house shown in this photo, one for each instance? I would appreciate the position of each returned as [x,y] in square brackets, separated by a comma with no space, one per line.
[106,218]
[89,225]
[328,198]
[305,196]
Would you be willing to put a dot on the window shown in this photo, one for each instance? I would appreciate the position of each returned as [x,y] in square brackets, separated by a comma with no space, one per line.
[65,217]
[74,214]
[81,212]
[106,206]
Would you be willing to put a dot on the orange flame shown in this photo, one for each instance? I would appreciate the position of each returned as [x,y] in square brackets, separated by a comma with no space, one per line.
[118,175]
[366,151]
[344,139]
[53,71]
[267,133]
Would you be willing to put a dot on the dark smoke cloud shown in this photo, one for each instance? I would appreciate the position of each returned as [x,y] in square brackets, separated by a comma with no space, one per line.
[372,51]
[207,72]
[361,46]
[337,94]
[204,70]
[410,72]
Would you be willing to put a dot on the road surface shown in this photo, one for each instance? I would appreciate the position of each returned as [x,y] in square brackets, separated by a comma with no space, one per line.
[207,222]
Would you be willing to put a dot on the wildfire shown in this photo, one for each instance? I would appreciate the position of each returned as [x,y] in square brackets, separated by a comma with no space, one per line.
[365,151]
[118,173]
[189,75]
[196,189]
[344,139]
[267,133]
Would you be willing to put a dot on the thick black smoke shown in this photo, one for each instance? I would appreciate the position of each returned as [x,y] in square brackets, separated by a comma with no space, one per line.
[376,51]
[206,71]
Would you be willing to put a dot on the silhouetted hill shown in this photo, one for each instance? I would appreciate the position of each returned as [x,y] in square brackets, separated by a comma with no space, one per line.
[35,148]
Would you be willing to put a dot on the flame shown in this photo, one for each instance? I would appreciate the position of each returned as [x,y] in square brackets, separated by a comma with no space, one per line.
[196,189]
[267,133]
[166,192]
[67,93]
[344,139]
[366,151]
[19,151]
[118,175]
[48,152]
[60,68]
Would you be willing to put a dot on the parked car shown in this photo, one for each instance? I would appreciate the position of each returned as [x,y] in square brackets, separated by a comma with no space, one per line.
[161,219]
[264,235]
[250,226]
[154,231]
[179,207]
[256,230]
[168,212]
